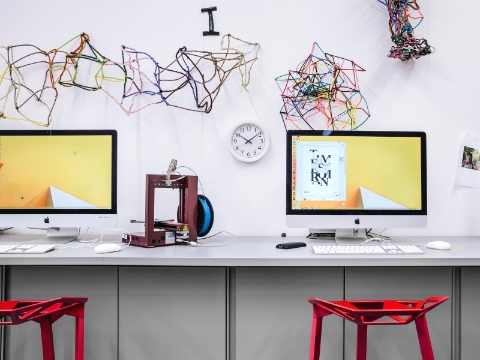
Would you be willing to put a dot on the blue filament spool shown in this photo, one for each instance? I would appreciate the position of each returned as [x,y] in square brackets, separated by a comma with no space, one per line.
[205,216]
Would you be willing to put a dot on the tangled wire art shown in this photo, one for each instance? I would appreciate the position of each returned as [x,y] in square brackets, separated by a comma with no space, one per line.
[200,73]
[34,74]
[406,45]
[323,84]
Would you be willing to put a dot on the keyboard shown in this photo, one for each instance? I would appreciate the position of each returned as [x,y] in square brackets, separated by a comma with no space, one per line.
[25,249]
[366,250]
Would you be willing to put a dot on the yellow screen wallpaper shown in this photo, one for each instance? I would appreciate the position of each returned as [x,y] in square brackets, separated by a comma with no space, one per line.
[55,172]
[385,168]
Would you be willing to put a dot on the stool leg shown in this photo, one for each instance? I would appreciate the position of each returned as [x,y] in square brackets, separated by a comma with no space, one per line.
[47,339]
[362,342]
[79,338]
[316,338]
[424,338]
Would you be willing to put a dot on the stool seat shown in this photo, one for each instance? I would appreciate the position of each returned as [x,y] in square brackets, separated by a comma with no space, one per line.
[374,312]
[46,312]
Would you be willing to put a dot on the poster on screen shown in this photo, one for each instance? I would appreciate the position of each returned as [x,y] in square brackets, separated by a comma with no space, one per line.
[468,171]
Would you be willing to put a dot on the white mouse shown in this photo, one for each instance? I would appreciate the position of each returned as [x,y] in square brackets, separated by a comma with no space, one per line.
[107,248]
[439,245]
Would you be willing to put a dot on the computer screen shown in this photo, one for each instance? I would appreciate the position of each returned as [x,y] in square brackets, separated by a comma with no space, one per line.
[360,179]
[58,178]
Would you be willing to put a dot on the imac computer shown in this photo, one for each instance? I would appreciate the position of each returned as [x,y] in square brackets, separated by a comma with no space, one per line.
[58,179]
[351,181]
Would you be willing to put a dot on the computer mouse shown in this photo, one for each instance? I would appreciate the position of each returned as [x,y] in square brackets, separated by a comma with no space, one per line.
[439,245]
[107,248]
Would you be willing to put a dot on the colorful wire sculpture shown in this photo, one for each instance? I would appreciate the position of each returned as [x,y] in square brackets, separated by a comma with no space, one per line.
[144,81]
[406,45]
[201,73]
[323,84]
[70,76]
[13,84]
[29,61]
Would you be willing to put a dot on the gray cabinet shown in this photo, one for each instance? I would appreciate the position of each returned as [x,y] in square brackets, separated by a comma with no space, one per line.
[470,313]
[172,313]
[242,313]
[271,317]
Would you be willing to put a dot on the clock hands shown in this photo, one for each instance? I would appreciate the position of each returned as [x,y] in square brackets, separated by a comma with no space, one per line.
[248,141]
[252,138]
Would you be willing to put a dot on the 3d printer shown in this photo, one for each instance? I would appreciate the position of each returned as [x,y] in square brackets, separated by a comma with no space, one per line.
[194,215]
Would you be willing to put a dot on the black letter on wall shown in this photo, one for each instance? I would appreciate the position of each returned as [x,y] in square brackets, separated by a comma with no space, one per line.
[211,30]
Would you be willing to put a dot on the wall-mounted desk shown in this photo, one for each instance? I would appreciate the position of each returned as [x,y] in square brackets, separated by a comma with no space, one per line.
[250,251]
[246,300]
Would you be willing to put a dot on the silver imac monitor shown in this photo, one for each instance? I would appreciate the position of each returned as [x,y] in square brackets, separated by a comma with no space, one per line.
[58,179]
[355,180]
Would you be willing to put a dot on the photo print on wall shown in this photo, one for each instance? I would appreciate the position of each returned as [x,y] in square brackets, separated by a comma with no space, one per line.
[468,163]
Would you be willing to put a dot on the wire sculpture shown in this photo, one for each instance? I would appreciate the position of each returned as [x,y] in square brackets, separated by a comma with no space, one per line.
[323,84]
[201,73]
[144,81]
[75,75]
[246,58]
[14,85]
[44,70]
[406,45]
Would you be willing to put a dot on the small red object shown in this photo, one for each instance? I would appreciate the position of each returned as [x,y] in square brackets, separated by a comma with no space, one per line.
[368,312]
[46,312]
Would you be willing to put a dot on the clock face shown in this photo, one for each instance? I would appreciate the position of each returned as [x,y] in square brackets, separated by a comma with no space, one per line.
[248,142]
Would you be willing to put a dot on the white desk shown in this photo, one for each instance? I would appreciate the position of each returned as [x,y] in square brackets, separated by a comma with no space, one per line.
[251,251]
[246,300]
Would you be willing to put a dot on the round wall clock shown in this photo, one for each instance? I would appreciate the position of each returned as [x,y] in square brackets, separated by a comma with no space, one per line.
[248,142]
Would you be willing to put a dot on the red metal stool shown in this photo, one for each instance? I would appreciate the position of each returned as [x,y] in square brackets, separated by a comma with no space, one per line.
[46,312]
[367,312]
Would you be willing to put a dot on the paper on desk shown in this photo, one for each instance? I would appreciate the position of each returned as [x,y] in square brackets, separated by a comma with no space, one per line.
[468,171]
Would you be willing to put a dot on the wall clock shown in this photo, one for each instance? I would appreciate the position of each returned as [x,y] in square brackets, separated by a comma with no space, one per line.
[248,141]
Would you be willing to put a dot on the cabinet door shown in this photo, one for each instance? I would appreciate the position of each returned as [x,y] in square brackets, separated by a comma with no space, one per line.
[271,317]
[470,313]
[97,283]
[401,342]
[172,313]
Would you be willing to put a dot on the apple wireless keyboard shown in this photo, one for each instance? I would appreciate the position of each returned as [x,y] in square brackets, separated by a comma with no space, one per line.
[366,250]
[26,248]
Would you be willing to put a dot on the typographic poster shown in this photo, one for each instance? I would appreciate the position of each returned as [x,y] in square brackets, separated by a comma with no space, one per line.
[321,176]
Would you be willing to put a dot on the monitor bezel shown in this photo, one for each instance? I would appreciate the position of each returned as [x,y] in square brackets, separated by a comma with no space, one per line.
[112,133]
[356,212]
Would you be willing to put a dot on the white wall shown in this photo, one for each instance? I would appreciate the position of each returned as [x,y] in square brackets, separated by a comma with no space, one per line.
[436,94]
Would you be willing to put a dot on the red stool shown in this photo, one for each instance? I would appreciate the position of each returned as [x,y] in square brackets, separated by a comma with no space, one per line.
[367,312]
[46,312]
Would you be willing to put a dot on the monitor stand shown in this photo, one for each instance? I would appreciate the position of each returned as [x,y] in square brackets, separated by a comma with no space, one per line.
[57,235]
[351,237]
